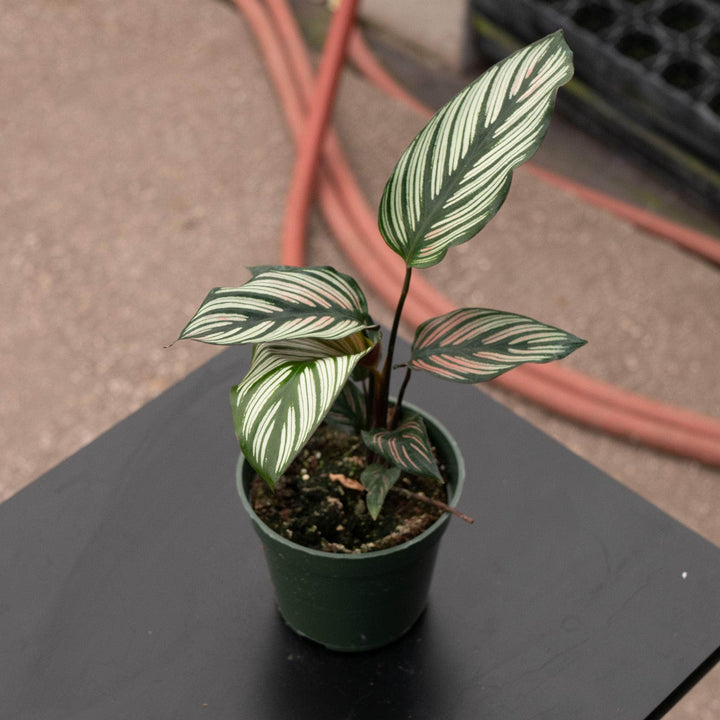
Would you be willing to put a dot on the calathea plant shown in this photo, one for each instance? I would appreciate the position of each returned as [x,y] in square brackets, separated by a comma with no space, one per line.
[316,350]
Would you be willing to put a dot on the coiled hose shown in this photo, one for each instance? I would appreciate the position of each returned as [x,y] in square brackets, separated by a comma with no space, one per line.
[321,171]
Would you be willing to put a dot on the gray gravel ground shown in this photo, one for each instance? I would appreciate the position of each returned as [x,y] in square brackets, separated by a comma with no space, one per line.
[145,159]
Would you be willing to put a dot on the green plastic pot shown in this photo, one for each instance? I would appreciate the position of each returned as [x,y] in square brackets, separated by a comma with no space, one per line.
[356,602]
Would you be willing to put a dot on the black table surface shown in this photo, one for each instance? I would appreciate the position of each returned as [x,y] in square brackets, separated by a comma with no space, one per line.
[132,586]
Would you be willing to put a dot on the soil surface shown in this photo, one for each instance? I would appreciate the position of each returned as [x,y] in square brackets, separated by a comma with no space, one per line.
[314,503]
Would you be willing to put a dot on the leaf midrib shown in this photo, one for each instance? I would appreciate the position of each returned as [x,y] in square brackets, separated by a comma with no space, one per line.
[454,180]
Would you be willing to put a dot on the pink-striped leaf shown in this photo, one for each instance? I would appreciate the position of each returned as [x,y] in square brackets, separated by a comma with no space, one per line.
[407,447]
[456,173]
[378,480]
[475,344]
[281,303]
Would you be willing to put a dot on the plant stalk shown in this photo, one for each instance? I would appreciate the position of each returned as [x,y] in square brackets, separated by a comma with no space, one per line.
[369,407]
[397,412]
[382,400]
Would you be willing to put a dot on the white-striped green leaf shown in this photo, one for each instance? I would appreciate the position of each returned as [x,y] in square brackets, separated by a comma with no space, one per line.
[377,481]
[348,413]
[455,174]
[281,303]
[407,447]
[286,394]
[475,344]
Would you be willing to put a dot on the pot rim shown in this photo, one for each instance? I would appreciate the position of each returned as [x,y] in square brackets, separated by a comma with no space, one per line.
[358,557]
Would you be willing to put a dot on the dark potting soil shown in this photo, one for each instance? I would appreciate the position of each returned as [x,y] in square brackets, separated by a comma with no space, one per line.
[311,508]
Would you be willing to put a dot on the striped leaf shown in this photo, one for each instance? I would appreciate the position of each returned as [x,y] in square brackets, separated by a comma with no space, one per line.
[281,303]
[455,174]
[348,413]
[475,344]
[407,447]
[286,394]
[377,481]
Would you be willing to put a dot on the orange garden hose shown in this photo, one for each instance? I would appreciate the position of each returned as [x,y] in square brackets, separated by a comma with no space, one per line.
[364,60]
[697,242]
[318,115]
[567,392]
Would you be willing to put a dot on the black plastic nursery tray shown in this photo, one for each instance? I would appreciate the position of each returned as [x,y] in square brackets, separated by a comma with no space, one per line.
[132,586]
[648,71]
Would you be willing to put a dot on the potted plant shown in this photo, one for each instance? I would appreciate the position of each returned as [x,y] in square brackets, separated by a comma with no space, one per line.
[324,447]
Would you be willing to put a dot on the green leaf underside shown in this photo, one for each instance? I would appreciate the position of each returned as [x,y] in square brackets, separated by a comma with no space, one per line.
[286,394]
[378,480]
[348,411]
[407,447]
[281,303]
[454,176]
[475,344]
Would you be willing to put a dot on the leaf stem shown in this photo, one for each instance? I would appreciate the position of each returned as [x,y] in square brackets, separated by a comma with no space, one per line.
[382,400]
[375,381]
[424,498]
[398,405]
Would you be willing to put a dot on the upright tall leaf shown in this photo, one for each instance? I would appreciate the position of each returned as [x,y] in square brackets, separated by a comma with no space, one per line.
[455,174]
[281,303]
[286,394]
[475,344]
